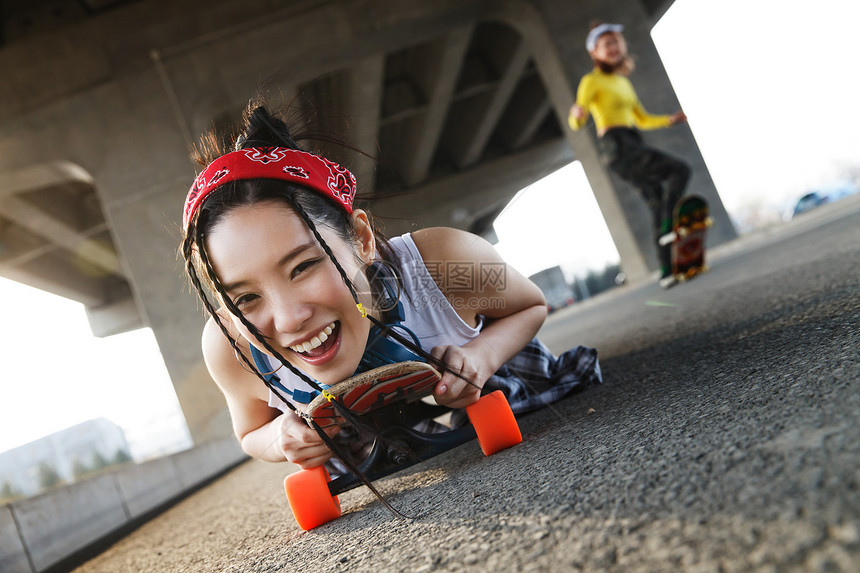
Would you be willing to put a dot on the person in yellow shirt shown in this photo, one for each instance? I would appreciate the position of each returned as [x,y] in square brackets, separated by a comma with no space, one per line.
[608,96]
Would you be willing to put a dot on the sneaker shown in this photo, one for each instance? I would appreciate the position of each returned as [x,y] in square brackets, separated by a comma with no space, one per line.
[668,281]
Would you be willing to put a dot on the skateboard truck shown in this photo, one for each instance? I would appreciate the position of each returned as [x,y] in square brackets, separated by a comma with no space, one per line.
[388,399]
[400,446]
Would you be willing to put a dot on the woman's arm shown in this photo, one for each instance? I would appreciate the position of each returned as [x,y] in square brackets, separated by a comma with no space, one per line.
[514,309]
[645,120]
[264,432]
[579,111]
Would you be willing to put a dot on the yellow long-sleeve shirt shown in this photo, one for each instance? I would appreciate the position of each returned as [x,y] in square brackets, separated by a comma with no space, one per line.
[612,101]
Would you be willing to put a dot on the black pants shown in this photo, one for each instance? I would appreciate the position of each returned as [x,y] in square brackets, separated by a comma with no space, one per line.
[660,179]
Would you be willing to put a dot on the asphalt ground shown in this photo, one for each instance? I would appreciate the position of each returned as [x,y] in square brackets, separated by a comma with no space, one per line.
[725,438]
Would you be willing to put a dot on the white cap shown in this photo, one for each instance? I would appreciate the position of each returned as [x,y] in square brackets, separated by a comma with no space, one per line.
[599,30]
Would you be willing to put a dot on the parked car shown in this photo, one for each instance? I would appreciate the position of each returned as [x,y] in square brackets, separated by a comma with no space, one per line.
[825,195]
[807,203]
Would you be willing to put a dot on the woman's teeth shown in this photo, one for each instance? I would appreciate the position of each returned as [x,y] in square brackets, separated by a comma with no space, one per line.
[317,340]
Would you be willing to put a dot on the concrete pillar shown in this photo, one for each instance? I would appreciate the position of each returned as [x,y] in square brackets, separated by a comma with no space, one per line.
[556,36]
[149,145]
[657,95]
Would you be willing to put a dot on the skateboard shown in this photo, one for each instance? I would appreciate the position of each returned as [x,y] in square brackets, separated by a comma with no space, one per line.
[690,220]
[388,399]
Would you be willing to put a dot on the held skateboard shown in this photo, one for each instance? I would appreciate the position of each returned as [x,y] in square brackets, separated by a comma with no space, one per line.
[388,399]
[690,220]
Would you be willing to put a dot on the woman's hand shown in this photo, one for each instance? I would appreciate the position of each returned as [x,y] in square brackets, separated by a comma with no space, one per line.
[512,309]
[577,112]
[677,117]
[452,390]
[300,443]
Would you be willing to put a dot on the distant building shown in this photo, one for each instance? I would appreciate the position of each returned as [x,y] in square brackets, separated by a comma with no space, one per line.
[81,447]
[555,287]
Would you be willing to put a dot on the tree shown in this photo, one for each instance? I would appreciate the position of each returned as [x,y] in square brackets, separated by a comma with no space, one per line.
[8,491]
[48,476]
[597,282]
[121,457]
[99,462]
[80,469]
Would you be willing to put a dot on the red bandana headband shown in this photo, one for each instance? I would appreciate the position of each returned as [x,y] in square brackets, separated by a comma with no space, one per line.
[305,169]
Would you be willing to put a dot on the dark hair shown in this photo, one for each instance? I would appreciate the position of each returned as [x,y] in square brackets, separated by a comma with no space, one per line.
[263,129]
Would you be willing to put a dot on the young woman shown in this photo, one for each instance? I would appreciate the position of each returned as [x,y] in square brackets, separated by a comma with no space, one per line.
[282,262]
[609,96]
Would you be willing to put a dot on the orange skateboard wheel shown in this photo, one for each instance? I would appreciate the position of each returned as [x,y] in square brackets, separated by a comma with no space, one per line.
[310,499]
[494,423]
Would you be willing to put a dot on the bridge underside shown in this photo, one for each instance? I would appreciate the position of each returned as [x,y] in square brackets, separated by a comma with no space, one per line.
[454,106]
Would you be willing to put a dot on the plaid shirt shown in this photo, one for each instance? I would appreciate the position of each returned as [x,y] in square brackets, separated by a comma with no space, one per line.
[532,379]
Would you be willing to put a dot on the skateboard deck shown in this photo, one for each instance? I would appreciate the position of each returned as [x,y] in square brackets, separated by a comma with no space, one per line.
[375,389]
[388,400]
[690,221]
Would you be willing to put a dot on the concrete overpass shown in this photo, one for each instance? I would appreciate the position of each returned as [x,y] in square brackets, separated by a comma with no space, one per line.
[463,103]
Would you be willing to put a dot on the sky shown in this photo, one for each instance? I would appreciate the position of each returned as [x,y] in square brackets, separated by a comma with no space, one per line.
[77,377]
[769,87]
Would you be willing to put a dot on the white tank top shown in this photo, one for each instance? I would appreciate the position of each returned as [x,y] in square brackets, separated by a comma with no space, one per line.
[429,315]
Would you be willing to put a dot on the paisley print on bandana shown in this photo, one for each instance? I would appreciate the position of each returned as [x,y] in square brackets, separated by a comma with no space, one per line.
[266,155]
[300,167]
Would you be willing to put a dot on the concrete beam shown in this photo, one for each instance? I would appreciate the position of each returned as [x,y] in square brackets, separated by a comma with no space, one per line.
[656,9]
[57,274]
[41,176]
[39,223]
[423,137]
[364,108]
[530,108]
[28,259]
[460,200]
[23,248]
[115,317]
[18,247]
[488,118]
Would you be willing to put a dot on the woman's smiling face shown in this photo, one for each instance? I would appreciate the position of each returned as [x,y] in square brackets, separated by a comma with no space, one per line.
[277,274]
[610,48]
